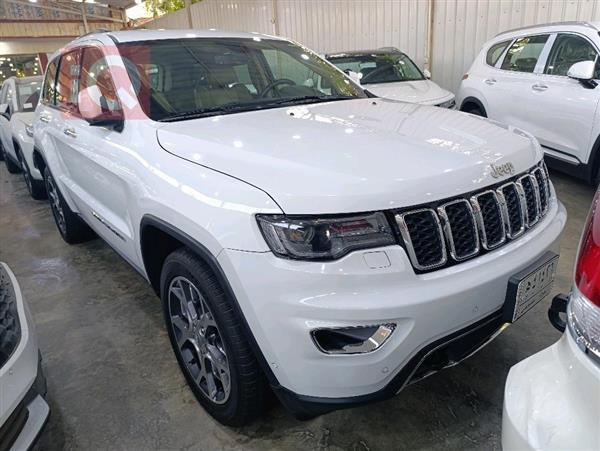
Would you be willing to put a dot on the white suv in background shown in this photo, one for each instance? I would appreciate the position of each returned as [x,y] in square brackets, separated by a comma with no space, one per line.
[300,234]
[543,79]
[18,99]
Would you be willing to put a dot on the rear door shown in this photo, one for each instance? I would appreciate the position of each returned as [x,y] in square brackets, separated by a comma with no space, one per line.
[9,99]
[567,109]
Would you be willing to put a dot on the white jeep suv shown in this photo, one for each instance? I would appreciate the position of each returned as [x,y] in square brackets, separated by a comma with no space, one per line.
[300,234]
[543,79]
[18,99]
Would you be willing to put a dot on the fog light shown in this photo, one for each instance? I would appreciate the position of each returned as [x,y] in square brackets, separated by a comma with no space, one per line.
[352,340]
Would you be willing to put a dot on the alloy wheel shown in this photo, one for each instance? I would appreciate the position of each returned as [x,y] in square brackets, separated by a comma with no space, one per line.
[198,340]
[57,210]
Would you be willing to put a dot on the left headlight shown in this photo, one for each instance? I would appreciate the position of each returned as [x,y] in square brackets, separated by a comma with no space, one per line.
[29,130]
[310,238]
[449,104]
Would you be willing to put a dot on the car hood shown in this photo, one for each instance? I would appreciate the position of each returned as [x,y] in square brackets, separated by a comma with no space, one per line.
[420,91]
[353,155]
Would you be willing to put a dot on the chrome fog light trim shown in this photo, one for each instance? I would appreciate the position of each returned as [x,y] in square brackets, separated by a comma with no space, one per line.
[352,340]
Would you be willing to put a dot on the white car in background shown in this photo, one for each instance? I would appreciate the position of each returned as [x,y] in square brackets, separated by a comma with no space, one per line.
[23,410]
[543,79]
[18,99]
[552,399]
[389,73]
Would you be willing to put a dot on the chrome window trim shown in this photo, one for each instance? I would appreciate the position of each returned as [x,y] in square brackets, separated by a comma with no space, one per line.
[447,228]
[480,222]
[409,244]
[504,208]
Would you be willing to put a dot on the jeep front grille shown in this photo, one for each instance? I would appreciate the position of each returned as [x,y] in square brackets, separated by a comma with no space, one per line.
[454,230]
[10,329]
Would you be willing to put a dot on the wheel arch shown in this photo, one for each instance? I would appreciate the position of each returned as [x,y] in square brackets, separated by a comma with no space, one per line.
[470,100]
[152,228]
[38,160]
[594,162]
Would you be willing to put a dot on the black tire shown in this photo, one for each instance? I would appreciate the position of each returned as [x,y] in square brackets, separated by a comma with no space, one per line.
[11,166]
[36,188]
[248,390]
[1,152]
[70,226]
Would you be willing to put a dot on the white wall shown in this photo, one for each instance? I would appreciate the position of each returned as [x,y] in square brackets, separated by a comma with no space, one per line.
[460,27]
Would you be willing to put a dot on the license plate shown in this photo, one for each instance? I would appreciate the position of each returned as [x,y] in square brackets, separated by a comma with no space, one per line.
[530,286]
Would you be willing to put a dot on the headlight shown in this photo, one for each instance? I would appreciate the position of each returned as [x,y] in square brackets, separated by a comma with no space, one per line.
[29,130]
[449,104]
[311,238]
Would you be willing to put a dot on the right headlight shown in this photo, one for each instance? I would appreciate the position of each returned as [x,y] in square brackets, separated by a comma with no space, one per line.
[312,238]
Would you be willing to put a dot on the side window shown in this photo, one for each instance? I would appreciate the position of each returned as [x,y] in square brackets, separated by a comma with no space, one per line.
[10,99]
[495,52]
[96,82]
[3,93]
[67,84]
[567,50]
[523,55]
[49,89]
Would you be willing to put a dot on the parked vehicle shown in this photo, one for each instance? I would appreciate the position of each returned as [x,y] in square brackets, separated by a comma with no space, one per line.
[552,399]
[23,410]
[543,79]
[389,73]
[300,234]
[18,99]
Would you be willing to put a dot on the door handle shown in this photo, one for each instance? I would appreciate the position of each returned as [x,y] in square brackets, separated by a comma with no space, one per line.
[70,132]
[45,119]
[490,81]
[539,88]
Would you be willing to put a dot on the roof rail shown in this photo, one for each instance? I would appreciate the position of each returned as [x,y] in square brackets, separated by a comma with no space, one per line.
[580,23]
[98,30]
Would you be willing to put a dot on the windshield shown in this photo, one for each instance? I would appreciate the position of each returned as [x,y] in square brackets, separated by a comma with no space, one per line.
[28,94]
[379,67]
[180,79]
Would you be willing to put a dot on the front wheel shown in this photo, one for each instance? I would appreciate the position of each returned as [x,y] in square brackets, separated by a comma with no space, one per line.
[209,343]
[11,166]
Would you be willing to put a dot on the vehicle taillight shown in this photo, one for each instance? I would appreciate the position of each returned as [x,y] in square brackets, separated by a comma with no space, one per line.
[587,271]
[583,312]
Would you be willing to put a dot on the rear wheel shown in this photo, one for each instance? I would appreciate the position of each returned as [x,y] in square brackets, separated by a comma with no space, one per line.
[71,227]
[36,188]
[209,343]
[11,166]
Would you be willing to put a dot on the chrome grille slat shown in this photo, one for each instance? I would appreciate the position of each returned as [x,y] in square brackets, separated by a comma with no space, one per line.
[463,239]
[488,214]
[512,201]
[462,228]
[421,245]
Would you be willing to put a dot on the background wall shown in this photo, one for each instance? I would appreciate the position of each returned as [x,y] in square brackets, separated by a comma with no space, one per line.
[451,32]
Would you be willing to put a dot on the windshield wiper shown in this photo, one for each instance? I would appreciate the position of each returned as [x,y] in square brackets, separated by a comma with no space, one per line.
[204,112]
[229,109]
[305,99]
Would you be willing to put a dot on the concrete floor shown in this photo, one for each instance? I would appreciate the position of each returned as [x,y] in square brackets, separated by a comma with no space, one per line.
[113,382]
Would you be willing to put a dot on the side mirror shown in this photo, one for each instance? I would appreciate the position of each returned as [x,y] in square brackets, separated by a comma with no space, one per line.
[93,108]
[3,109]
[583,71]
[427,73]
[354,76]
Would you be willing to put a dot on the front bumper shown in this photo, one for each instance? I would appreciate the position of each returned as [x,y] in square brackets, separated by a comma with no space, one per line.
[284,300]
[552,400]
